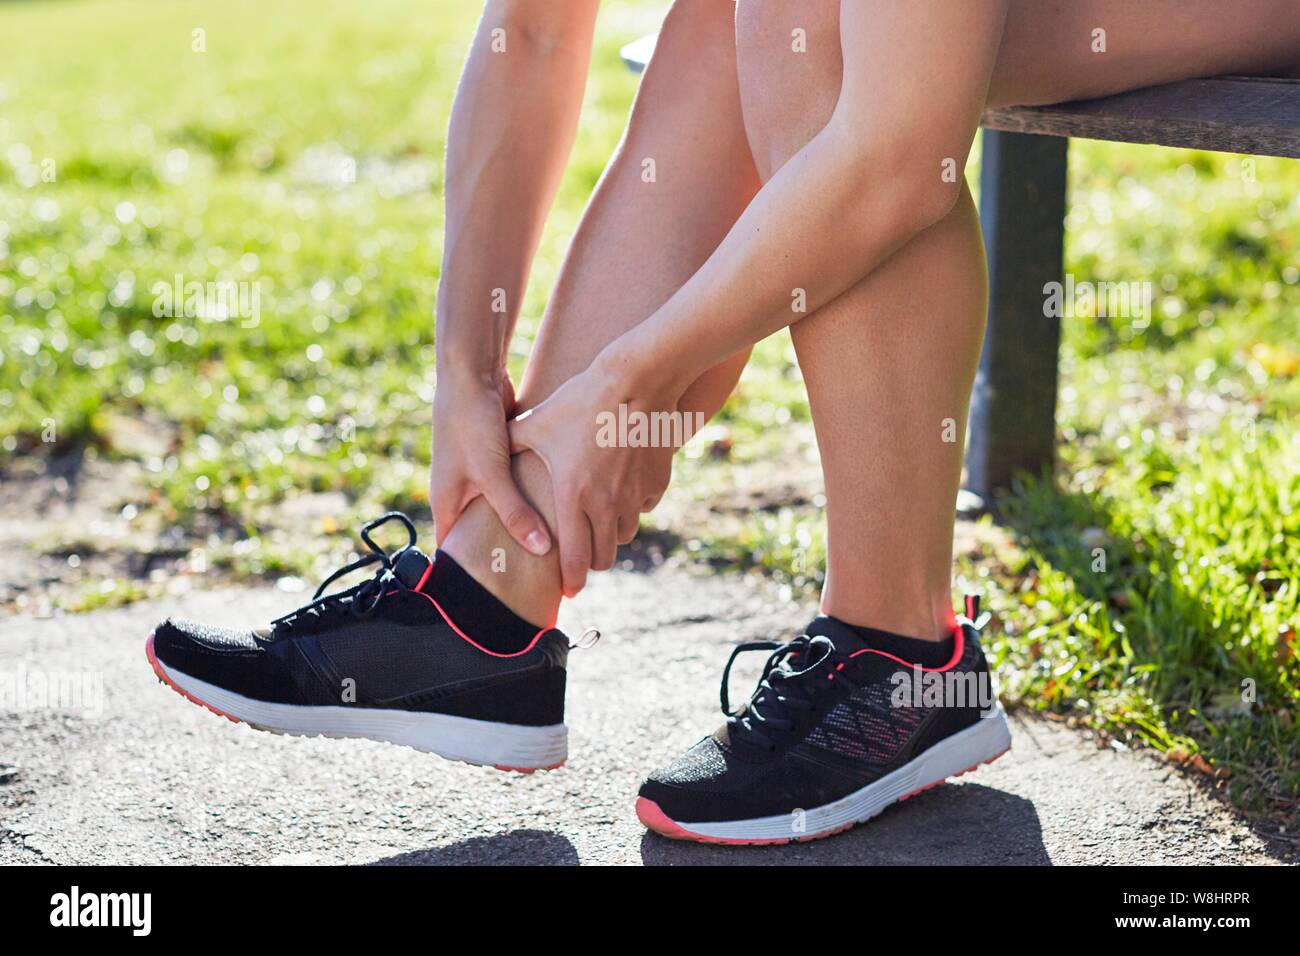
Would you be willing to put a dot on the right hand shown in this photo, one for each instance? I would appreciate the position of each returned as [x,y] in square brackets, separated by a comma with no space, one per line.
[471,457]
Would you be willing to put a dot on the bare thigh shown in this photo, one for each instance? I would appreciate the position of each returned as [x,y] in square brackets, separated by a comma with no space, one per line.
[1052,51]
[1047,54]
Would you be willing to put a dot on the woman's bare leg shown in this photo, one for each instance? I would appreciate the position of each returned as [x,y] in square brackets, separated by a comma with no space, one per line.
[889,365]
[1048,50]
[637,243]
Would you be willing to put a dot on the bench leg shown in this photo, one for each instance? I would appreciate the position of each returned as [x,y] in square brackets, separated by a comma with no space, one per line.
[1022,213]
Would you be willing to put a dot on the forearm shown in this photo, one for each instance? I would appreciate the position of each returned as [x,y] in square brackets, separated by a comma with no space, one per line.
[887,166]
[826,219]
[512,127]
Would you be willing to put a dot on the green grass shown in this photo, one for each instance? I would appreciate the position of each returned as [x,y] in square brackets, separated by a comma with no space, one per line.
[1163,604]
[1179,436]
[210,175]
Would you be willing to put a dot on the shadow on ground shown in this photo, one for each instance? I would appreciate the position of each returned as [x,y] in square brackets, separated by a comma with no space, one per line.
[516,848]
[952,824]
[981,825]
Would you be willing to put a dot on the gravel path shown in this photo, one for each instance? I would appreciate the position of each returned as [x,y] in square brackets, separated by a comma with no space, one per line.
[151,778]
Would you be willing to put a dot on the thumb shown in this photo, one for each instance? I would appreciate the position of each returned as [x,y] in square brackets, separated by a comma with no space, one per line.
[521,431]
[518,516]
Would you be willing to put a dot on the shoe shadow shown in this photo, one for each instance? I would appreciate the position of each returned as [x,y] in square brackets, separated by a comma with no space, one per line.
[953,824]
[516,848]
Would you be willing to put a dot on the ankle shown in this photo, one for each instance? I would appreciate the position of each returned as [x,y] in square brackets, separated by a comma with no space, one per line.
[922,619]
[476,611]
[523,582]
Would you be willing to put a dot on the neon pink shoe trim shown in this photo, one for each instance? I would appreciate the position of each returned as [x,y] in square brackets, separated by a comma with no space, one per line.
[162,676]
[959,647]
[465,637]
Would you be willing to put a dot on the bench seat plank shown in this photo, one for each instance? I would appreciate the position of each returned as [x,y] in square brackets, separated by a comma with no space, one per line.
[1228,114]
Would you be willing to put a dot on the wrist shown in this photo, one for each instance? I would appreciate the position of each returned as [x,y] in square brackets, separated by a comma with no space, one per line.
[472,374]
[637,376]
[469,354]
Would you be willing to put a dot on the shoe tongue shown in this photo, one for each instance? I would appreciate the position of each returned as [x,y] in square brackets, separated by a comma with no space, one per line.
[411,567]
[845,639]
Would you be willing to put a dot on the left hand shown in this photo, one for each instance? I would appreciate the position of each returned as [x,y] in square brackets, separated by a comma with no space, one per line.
[601,484]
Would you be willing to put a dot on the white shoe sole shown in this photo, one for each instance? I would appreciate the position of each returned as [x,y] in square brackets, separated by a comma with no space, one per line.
[965,750]
[505,746]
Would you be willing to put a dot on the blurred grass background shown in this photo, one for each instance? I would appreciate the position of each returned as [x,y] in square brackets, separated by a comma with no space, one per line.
[1179,440]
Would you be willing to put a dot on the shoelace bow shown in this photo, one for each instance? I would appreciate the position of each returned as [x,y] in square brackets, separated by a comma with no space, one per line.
[362,599]
[780,691]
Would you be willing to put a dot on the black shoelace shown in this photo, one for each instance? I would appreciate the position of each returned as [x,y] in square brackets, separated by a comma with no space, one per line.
[361,600]
[785,687]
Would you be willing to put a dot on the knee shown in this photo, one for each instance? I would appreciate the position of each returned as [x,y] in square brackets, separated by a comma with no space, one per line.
[700,33]
[694,57]
[790,70]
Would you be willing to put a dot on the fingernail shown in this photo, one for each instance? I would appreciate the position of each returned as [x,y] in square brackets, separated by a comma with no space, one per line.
[537,543]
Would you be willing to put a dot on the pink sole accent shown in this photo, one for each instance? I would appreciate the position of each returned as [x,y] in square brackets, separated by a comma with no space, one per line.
[959,773]
[162,676]
[650,814]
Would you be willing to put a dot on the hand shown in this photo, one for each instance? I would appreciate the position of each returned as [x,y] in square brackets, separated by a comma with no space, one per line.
[471,457]
[601,483]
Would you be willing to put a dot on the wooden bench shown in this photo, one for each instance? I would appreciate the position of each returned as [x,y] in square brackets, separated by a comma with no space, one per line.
[1022,212]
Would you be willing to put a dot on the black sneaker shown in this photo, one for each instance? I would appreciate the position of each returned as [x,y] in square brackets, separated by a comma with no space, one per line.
[383,661]
[835,732]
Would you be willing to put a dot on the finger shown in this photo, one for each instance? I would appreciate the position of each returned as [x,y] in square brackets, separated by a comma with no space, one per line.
[521,433]
[523,523]
[604,539]
[575,544]
[659,478]
[446,509]
[628,525]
